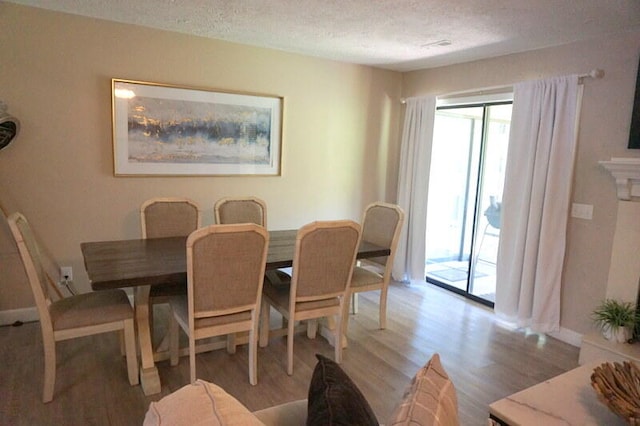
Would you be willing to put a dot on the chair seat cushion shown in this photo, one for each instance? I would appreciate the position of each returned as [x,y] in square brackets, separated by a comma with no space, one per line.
[199,404]
[363,277]
[180,306]
[87,309]
[279,295]
[334,399]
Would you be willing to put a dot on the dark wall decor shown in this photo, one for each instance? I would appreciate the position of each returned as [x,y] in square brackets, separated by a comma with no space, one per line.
[634,132]
[9,126]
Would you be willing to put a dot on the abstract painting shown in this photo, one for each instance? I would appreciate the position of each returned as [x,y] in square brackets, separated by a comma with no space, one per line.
[160,129]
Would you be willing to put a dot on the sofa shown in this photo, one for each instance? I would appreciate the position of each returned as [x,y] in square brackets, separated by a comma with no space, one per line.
[333,399]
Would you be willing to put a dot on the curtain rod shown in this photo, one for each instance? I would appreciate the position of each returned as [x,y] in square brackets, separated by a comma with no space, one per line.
[595,73]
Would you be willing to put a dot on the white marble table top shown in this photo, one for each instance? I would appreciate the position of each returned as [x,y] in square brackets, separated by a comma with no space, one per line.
[567,399]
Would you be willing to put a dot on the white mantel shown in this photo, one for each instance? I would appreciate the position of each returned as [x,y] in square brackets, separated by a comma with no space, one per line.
[624,270]
[626,172]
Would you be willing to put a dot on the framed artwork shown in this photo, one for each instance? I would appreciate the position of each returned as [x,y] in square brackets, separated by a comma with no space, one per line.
[160,129]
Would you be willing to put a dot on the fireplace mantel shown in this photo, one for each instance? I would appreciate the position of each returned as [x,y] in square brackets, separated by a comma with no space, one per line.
[626,172]
[624,270]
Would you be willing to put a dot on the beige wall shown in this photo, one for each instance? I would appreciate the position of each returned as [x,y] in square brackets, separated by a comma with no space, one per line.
[339,142]
[604,131]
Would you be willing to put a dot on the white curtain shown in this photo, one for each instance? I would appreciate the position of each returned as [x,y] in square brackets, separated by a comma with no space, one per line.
[535,204]
[413,180]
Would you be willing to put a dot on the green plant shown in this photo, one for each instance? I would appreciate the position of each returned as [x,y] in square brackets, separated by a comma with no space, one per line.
[612,314]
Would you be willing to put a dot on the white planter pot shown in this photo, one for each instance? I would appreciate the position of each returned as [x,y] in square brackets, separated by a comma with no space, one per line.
[620,335]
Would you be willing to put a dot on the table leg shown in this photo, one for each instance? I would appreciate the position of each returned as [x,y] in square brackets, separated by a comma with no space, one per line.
[149,378]
[327,329]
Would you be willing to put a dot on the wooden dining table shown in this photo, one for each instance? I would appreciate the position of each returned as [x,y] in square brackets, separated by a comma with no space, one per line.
[161,262]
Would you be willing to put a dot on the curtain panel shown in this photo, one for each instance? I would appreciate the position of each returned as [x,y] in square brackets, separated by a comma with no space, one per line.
[535,204]
[413,184]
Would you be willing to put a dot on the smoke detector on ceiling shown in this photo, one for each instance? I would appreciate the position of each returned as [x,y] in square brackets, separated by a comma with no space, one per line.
[9,126]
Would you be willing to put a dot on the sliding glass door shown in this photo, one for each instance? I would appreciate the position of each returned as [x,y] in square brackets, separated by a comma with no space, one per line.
[465,191]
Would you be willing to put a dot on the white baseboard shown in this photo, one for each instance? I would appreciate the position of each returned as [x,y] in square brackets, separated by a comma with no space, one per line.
[24,315]
[568,336]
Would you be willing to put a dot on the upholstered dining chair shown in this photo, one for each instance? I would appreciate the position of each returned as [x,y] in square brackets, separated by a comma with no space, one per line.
[381,225]
[323,262]
[225,270]
[246,210]
[229,210]
[169,217]
[163,217]
[75,316]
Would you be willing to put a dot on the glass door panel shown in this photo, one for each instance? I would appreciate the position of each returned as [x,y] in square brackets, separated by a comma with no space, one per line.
[455,146]
[465,192]
[482,282]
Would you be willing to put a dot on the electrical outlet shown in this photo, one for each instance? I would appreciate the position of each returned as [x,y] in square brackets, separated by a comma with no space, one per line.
[66,273]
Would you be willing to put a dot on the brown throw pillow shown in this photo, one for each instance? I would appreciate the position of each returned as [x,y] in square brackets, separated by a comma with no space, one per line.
[429,400]
[334,399]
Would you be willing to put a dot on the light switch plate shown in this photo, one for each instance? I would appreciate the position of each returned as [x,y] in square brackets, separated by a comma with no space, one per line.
[582,211]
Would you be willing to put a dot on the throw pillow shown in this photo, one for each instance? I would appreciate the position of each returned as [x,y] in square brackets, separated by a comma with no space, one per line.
[199,404]
[334,399]
[430,399]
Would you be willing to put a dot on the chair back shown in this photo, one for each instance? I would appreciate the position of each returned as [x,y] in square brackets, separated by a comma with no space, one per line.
[381,226]
[30,254]
[169,217]
[323,261]
[225,269]
[241,210]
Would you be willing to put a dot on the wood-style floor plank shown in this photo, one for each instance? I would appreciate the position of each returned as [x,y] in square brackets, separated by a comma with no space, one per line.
[485,361]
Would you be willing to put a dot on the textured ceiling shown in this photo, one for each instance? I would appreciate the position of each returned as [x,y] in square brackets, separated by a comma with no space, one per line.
[400,35]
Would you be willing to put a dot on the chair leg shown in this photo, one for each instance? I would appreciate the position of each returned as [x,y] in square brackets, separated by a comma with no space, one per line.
[49,368]
[192,359]
[354,303]
[174,340]
[290,328]
[231,343]
[253,354]
[265,311]
[337,339]
[312,328]
[383,307]
[130,349]
[344,324]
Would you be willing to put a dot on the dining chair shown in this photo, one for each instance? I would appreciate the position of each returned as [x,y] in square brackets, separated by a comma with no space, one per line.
[163,217]
[381,225]
[74,316]
[323,262]
[225,270]
[246,210]
[169,217]
[229,210]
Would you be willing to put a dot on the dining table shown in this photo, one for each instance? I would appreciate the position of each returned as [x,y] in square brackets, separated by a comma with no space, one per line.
[141,264]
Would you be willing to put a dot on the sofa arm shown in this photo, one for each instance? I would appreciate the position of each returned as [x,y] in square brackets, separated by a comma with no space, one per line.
[288,414]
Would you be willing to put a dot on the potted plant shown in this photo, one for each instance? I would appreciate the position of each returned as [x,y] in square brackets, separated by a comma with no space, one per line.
[616,319]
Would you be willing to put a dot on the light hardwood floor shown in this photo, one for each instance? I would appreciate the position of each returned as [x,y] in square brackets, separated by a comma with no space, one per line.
[485,361]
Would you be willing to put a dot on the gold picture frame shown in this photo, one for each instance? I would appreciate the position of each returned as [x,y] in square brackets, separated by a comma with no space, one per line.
[160,129]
